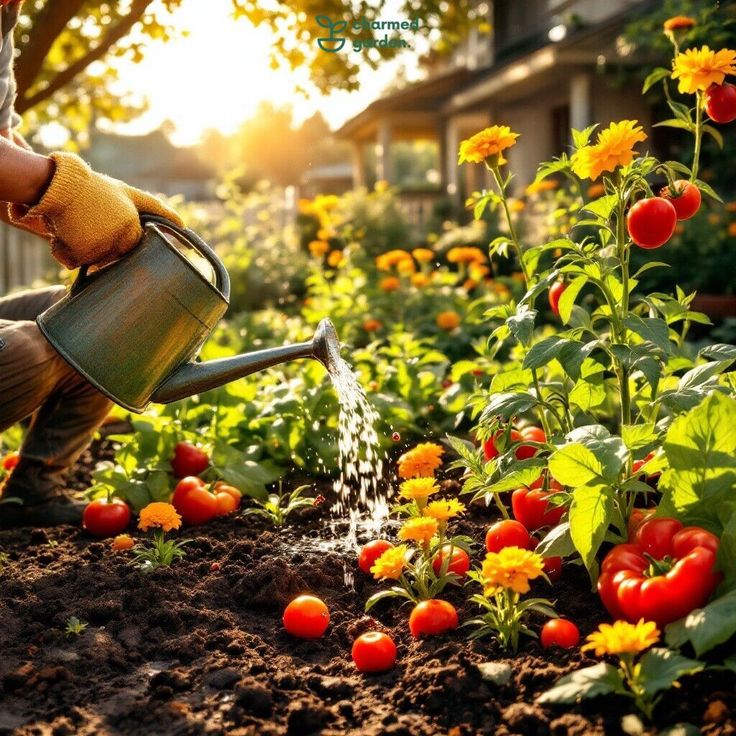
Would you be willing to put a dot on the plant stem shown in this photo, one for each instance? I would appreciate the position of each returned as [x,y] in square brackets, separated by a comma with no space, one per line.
[698,134]
[623,253]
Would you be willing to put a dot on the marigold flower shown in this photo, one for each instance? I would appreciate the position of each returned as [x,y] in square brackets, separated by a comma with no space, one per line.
[512,568]
[730,206]
[697,69]
[305,207]
[461,254]
[448,320]
[621,637]
[469,284]
[418,489]
[614,147]
[420,529]
[679,23]
[318,248]
[546,185]
[325,233]
[444,508]
[406,267]
[390,283]
[420,280]
[372,325]
[390,564]
[159,514]
[421,461]
[732,229]
[478,271]
[516,205]
[423,255]
[487,144]
[388,260]
[122,542]
[335,258]
[326,201]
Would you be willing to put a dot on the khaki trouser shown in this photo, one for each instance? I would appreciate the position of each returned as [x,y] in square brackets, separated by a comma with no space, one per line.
[36,382]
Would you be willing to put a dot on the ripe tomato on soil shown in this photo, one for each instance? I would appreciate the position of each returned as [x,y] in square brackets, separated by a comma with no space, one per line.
[687,199]
[555,294]
[559,632]
[459,561]
[189,460]
[228,498]
[720,103]
[106,518]
[507,533]
[651,222]
[194,502]
[370,552]
[374,651]
[306,617]
[432,617]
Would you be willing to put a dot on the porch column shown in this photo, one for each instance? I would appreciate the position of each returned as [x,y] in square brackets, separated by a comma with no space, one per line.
[451,181]
[581,113]
[359,178]
[383,152]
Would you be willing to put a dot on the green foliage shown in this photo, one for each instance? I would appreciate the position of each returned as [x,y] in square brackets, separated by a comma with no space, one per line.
[75,626]
[705,628]
[279,506]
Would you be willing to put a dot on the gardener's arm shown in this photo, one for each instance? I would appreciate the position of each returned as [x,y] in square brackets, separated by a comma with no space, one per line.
[24,175]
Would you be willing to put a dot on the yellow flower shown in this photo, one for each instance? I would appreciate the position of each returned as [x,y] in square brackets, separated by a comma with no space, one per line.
[372,325]
[318,248]
[421,461]
[418,489]
[423,255]
[697,69]
[614,147]
[488,144]
[390,564]
[122,542]
[406,267]
[325,233]
[448,320]
[444,509]
[390,283]
[516,205]
[158,514]
[419,280]
[420,529]
[465,255]
[382,186]
[469,284]
[305,206]
[335,258]
[546,185]
[326,201]
[679,23]
[478,271]
[621,637]
[512,568]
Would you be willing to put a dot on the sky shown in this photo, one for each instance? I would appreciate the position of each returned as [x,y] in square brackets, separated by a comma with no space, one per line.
[216,76]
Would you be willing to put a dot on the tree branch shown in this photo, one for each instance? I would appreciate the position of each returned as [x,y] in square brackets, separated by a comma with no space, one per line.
[114,34]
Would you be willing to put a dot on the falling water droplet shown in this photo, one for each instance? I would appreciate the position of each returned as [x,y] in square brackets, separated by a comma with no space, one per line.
[396,437]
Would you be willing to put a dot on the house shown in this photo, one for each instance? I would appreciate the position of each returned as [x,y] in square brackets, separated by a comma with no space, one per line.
[541,70]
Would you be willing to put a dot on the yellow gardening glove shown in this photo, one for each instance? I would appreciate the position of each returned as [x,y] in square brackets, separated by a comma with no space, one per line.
[90,219]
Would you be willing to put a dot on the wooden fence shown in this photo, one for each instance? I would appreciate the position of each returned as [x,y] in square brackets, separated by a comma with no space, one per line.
[24,258]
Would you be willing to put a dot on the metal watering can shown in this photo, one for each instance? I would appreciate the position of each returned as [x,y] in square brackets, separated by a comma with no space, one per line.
[133,328]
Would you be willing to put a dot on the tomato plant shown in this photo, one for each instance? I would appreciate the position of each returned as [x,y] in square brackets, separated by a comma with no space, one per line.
[374,651]
[559,632]
[306,617]
[106,517]
[432,617]
[651,222]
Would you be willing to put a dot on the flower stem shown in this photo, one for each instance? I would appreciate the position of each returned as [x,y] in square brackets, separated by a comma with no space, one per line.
[698,134]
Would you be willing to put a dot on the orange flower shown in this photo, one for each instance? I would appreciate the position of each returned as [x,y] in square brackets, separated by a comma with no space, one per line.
[423,255]
[732,229]
[487,145]
[318,248]
[420,529]
[596,190]
[448,320]
[614,147]
[158,514]
[122,543]
[697,69]
[465,255]
[390,259]
[469,284]
[372,325]
[679,23]
[390,283]
[335,258]
[421,461]
[516,205]
[546,185]
[406,267]
[730,206]
[419,280]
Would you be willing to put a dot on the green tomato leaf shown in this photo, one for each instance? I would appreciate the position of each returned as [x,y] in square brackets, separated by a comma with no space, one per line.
[655,76]
[705,628]
[520,476]
[715,134]
[661,668]
[638,436]
[557,542]
[543,352]
[575,465]
[590,516]
[600,679]
[652,329]
[567,300]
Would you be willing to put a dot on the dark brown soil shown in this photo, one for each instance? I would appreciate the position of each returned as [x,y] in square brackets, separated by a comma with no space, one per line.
[189,650]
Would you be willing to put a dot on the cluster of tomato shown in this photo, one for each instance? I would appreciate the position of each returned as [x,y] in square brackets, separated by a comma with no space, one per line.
[195,501]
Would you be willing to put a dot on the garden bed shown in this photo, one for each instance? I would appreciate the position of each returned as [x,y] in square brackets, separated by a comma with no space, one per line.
[190,650]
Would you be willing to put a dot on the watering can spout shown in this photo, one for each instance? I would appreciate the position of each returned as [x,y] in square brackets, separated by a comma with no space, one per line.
[195,378]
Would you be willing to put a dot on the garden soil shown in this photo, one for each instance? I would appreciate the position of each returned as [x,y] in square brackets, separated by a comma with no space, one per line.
[198,648]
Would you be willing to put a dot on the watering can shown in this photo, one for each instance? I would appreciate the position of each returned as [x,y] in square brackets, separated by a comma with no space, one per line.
[134,328]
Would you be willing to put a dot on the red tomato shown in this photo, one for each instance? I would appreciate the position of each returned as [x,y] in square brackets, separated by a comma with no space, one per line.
[195,504]
[720,103]
[306,617]
[459,561]
[106,518]
[559,632]
[489,446]
[553,568]
[532,434]
[370,552]
[532,508]
[507,533]
[555,292]
[228,498]
[432,617]
[374,652]
[665,574]
[188,460]
[687,201]
[11,460]
[651,222]
[636,519]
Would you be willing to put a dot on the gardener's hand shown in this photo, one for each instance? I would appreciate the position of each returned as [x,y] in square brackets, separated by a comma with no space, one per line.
[91,219]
